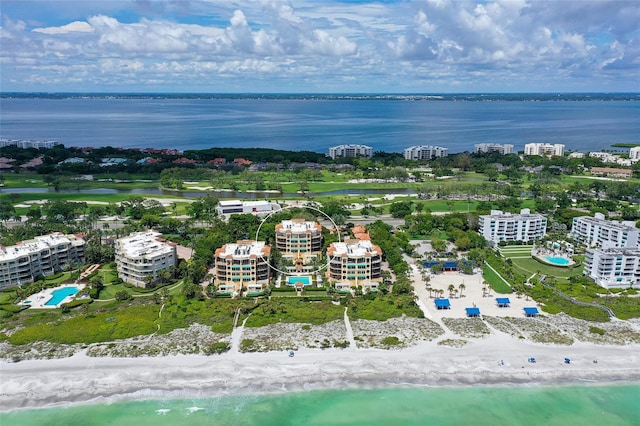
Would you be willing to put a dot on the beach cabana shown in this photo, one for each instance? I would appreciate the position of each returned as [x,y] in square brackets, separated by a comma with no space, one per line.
[442,304]
[531,312]
[473,312]
[503,302]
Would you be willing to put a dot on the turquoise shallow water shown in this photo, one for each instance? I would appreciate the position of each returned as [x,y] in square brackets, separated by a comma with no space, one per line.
[565,405]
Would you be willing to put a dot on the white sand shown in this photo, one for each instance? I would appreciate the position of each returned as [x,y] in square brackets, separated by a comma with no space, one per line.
[81,378]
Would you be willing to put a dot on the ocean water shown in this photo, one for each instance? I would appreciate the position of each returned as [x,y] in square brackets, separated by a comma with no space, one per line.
[479,405]
[307,122]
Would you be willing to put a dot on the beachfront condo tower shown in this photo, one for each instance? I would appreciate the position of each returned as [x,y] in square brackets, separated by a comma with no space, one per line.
[499,226]
[143,258]
[299,240]
[354,263]
[601,233]
[42,256]
[241,266]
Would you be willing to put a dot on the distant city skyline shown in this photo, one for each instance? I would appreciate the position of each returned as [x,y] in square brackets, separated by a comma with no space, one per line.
[320,46]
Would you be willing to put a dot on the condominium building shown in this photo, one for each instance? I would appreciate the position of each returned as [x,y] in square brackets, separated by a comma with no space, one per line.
[142,258]
[499,226]
[20,143]
[598,232]
[258,208]
[425,152]
[240,265]
[634,153]
[493,147]
[544,149]
[613,267]
[42,256]
[299,240]
[354,263]
[350,151]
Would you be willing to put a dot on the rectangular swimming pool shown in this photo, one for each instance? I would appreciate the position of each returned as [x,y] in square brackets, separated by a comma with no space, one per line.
[57,296]
[298,280]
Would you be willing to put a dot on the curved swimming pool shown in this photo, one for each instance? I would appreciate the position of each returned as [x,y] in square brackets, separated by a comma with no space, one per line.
[557,260]
[58,295]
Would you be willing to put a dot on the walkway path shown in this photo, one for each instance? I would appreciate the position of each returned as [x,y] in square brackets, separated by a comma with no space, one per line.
[347,325]
[236,337]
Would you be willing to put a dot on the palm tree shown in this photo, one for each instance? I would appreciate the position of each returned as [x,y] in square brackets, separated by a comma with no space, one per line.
[462,287]
[450,288]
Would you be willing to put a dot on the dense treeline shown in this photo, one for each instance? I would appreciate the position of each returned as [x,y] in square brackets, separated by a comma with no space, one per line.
[257,155]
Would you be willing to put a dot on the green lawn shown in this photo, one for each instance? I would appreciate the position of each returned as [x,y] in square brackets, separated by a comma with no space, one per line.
[531,266]
[496,283]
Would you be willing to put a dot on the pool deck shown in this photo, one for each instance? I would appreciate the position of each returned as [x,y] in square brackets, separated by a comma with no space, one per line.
[38,300]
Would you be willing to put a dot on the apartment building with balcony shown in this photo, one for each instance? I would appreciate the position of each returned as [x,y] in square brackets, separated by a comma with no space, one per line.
[493,147]
[499,226]
[354,263]
[425,152]
[617,267]
[240,265]
[43,255]
[143,257]
[598,232]
[544,149]
[299,240]
[350,151]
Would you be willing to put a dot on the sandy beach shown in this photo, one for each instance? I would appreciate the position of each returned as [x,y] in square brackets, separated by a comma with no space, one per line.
[497,359]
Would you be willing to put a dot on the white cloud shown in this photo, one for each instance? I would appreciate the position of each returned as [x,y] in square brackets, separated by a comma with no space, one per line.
[73,27]
[320,42]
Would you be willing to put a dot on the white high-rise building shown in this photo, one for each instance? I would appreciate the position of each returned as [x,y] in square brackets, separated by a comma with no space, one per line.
[598,232]
[425,152]
[634,153]
[350,151]
[613,267]
[499,226]
[493,147]
[544,149]
[42,256]
[142,255]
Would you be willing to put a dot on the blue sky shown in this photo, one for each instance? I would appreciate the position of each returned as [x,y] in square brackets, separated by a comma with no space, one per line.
[411,46]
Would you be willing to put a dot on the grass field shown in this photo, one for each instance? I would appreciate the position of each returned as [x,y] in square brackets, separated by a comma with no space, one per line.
[496,283]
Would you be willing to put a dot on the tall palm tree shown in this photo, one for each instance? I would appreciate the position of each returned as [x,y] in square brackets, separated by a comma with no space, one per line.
[451,288]
[461,287]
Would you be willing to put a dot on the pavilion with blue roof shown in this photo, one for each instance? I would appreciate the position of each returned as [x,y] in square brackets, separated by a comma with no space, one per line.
[531,312]
[442,304]
[503,302]
[473,312]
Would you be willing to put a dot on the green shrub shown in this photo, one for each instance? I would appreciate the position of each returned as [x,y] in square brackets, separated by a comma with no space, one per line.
[217,348]
[390,341]
[596,330]
[247,345]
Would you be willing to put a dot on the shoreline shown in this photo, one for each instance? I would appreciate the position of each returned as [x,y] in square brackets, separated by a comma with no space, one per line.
[81,379]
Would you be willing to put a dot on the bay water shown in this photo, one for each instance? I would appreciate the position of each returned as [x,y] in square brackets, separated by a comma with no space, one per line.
[306,122]
[589,404]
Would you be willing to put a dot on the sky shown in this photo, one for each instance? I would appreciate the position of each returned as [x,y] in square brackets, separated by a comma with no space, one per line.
[319,46]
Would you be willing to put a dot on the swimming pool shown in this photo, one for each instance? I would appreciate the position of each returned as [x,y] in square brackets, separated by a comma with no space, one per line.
[57,296]
[557,260]
[298,280]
